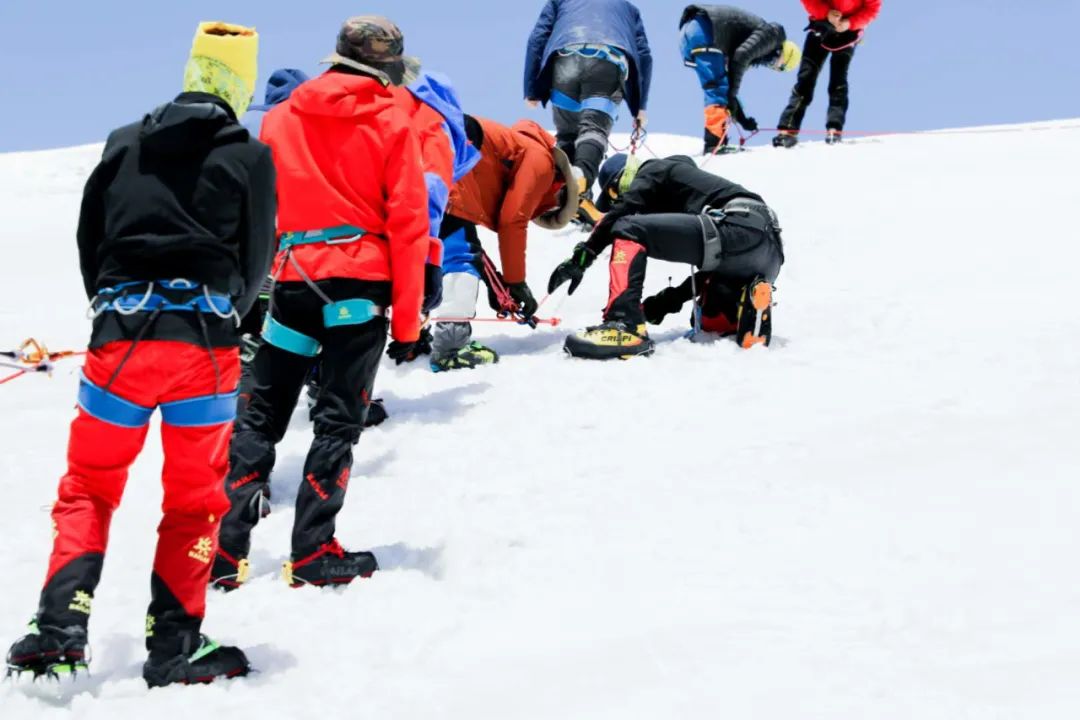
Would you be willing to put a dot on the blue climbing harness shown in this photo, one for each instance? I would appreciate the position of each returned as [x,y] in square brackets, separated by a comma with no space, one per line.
[605,105]
[612,54]
[155,297]
[338,313]
[125,300]
[201,411]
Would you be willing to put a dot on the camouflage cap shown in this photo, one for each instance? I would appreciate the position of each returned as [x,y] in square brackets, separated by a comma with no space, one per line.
[373,44]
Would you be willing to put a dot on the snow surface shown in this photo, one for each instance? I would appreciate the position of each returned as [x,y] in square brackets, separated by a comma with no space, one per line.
[875,518]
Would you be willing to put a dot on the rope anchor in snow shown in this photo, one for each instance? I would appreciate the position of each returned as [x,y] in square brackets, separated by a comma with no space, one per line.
[32,356]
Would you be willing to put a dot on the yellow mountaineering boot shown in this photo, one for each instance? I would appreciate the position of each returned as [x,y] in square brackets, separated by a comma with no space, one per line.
[754,318]
[610,340]
[587,215]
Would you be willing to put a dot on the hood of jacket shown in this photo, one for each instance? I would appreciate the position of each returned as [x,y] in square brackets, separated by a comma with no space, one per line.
[435,90]
[190,122]
[567,202]
[280,86]
[341,95]
[532,130]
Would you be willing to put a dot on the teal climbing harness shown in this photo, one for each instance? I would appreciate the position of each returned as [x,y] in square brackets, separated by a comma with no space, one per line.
[336,313]
[340,235]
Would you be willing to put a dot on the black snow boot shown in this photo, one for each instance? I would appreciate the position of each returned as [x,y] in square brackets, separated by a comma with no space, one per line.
[186,657]
[49,651]
[786,139]
[330,565]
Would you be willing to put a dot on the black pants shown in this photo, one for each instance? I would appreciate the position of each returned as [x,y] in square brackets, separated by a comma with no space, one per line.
[749,248]
[583,136]
[348,364]
[813,61]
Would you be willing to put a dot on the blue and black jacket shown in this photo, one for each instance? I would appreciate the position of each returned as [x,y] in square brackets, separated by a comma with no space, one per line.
[563,23]
[435,91]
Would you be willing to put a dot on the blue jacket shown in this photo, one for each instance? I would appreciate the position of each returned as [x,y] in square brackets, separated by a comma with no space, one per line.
[602,22]
[435,91]
[278,89]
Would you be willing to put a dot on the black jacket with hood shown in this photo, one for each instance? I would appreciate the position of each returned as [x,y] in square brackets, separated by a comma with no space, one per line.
[745,39]
[184,193]
[669,185]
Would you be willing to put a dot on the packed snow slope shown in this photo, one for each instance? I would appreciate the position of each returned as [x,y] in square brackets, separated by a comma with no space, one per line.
[875,518]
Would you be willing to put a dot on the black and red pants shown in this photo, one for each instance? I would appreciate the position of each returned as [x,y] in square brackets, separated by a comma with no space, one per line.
[348,362]
[734,249]
[121,388]
[815,55]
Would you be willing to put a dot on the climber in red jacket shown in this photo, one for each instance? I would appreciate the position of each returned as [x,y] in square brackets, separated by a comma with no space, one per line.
[836,27]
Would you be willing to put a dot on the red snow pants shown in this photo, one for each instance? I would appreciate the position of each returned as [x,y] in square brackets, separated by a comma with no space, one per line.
[193,476]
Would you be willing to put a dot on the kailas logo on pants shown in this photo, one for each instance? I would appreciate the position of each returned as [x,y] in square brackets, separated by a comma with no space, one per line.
[323,495]
[81,602]
[619,258]
[203,550]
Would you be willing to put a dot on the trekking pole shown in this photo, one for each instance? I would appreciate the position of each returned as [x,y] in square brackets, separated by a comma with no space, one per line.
[694,331]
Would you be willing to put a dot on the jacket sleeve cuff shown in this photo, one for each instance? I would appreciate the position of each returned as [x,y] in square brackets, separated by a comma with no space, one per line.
[435,252]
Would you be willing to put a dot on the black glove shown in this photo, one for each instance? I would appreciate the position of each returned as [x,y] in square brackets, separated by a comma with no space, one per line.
[524,298]
[749,124]
[572,269]
[432,288]
[423,343]
[376,413]
[667,301]
[407,352]
[402,352]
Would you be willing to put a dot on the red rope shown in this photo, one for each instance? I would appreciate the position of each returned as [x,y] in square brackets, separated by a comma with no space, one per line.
[12,376]
[959,131]
[553,322]
[36,357]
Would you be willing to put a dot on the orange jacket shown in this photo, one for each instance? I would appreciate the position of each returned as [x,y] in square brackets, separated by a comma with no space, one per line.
[515,182]
[346,154]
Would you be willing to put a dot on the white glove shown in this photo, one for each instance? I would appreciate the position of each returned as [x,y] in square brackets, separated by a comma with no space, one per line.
[642,119]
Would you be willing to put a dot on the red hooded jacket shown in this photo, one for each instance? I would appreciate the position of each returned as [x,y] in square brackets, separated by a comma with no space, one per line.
[436,152]
[347,154]
[859,13]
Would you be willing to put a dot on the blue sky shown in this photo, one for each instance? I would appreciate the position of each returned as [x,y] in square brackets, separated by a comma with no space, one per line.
[73,73]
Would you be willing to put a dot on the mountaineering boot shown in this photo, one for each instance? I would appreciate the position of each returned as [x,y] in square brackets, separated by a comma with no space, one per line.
[786,139]
[754,319]
[187,657]
[609,340]
[331,564]
[228,571]
[834,137]
[472,355]
[50,651]
[587,214]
